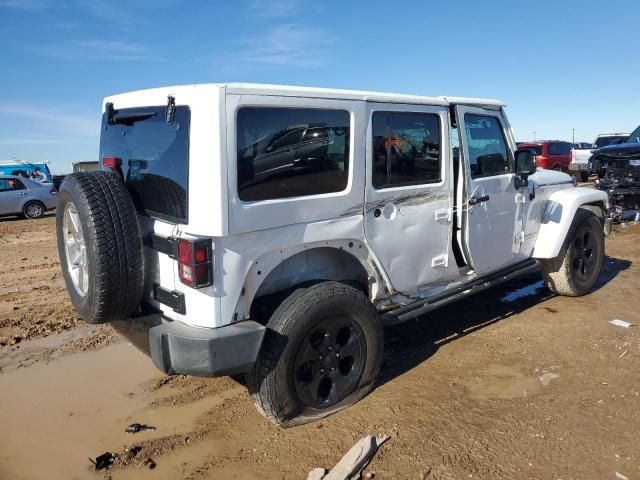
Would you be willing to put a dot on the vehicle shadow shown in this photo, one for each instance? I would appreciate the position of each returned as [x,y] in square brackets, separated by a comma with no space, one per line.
[412,342]
[17,218]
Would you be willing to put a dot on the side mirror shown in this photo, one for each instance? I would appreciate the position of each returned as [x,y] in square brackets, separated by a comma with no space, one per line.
[525,163]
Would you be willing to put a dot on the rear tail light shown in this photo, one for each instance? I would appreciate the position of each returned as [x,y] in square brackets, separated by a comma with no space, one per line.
[111,162]
[53,191]
[194,263]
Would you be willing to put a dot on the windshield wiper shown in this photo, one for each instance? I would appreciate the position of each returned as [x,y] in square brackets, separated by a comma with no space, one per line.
[130,118]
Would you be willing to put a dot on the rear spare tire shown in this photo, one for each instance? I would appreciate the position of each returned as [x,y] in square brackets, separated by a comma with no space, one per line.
[100,246]
[577,267]
[321,352]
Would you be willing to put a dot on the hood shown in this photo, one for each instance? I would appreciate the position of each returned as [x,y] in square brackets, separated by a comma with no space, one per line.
[623,150]
[549,177]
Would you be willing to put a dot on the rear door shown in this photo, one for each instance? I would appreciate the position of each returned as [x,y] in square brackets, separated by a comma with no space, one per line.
[408,198]
[151,155]
[491,215]
[559,154]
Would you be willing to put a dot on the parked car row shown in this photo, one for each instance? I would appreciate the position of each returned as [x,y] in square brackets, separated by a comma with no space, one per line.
[580,156]
[551,154]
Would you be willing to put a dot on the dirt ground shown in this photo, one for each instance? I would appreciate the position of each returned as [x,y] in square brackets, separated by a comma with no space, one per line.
[514,383]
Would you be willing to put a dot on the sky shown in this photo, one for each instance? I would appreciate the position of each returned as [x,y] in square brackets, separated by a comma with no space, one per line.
[558,65]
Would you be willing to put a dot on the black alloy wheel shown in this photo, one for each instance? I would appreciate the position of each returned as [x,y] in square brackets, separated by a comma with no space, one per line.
[330,361]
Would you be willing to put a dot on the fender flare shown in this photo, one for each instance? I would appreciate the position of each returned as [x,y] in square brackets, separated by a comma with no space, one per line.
[262,267]
[558,214]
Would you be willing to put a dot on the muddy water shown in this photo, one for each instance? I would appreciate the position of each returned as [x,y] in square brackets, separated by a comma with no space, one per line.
[79,404]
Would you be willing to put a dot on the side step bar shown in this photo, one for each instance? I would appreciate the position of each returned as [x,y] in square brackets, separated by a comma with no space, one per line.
[422,306]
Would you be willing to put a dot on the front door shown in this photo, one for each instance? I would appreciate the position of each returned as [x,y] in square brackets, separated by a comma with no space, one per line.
[408,201]
[491,213]
[12,192]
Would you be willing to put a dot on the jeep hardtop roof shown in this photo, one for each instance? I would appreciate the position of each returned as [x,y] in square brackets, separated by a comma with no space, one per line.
[332,93]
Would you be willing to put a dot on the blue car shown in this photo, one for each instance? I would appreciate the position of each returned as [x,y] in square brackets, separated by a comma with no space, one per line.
[26,169]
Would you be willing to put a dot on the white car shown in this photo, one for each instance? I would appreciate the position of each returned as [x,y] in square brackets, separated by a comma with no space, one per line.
[272,230]
[580,156]
[22,196]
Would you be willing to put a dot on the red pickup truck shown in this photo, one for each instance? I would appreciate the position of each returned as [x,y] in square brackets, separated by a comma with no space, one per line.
[551,154]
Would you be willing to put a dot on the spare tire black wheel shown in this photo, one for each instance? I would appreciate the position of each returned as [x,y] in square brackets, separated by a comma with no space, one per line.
[321,353]
[100,246]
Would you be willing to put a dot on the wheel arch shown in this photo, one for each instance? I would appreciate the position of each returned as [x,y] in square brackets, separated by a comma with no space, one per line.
[28,200]
[559,211]
[277,273]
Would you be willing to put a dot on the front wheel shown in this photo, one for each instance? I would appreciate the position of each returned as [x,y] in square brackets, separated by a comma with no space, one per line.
[321,353]
[577,267]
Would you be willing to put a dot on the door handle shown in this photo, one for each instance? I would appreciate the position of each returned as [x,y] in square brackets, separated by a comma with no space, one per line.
[476,200]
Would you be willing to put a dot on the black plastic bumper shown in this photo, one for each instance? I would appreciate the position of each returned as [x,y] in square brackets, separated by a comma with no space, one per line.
[175,347]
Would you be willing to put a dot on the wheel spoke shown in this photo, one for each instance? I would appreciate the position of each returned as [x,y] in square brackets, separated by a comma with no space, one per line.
[342,382]
[332,396]
[352,347]
[81,278]
[309,390]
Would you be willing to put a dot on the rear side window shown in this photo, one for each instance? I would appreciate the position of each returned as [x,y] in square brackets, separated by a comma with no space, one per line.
[537,150]
[559,148]
[10,184]
[488,153]
[406,149]
[154,158]
[291,152]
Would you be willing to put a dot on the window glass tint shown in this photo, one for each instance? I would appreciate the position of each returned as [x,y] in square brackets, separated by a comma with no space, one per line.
[488,154]
[609,140]
[537,149]
[290,152]
[154,158]
[559,148]
[406,149]
[9,184]
[635,136]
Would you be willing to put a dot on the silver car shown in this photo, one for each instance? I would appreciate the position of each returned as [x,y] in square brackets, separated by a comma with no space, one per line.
[21,196]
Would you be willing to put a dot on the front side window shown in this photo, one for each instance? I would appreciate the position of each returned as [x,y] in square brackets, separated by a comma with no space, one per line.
[291,152]
[488,153]
[406,149]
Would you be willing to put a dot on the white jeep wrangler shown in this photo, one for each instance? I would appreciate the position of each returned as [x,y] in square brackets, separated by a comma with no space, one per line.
[271,231]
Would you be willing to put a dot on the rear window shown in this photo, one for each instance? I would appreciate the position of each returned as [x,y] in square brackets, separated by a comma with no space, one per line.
[609,140]
[154,158]
[559,148]
[291,152]
[536,149]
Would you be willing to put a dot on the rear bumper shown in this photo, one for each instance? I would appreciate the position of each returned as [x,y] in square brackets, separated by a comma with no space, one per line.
[579,167]
[175,347]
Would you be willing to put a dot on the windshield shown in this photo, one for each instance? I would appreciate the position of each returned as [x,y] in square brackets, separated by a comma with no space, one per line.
[609,140]
[635,136]
[154,157]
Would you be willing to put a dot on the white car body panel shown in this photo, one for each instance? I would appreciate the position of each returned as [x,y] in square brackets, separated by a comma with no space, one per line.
[558,214]
[264,246]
